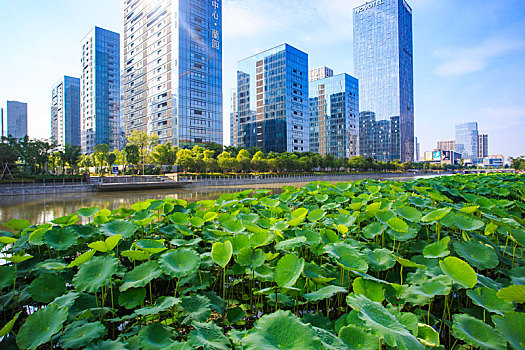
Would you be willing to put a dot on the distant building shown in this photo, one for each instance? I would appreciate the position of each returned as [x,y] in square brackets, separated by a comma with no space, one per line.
[446,145]
[483,145]
[233,117]
[384,67]
[320,73]
[272,101]
[417,154]
[467,140]
[65,112]
[16,119]
[334,116]
[100,89]
[494,161]
[443,157]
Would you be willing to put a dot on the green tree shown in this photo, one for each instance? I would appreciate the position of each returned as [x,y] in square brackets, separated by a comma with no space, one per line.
[517,163]
[243,161]
[100,157]
[72,156]
[185,160]
[163,154]
[131,155]
[226,162]
[144,142]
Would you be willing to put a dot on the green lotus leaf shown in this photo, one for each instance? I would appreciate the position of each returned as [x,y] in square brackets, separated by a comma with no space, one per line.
[397,225]
[291,244]
[106,246]
[52,265]
[288,270]
[316,215]
[233,226]
[83,258]
[468,224]
[41,326]
[66,220]
[459,271]
[436,215]
[132,297]
[88,212]
[118,227]
[517,275]
[436,250]
[108,345]
[151,246]
[409,213]
[66,300]
[298,216]
[488,299]
[221,253]
[7,276]
[95,273]
[477,254]
[208,336]
[324,293]
[251,258]
[162,304]
[17,224]
[380,259]
[18,258]
[60,239]
[79,334]
[179,218]
[46,288]
[196,307]
[156,336]
[140,275]
[470,209]
[518,236]
[512,326]
[35,238]
[7,240]
[347,256]
[139,206]
[407,263]
[372,230]
[234,315]
[384,215]
[281,330]
[477,333]
[315,273]
[329,340]
[6,329]
[383,322]
[180,263]
[357,338]
[372,290]
[138,255]
[439,285]
[427,335]
[515,293]
[402,236]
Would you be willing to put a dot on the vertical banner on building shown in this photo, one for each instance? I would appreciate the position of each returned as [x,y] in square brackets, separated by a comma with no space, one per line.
[216,19]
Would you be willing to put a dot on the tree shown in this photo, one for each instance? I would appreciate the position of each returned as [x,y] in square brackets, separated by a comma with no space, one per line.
[243,161]
[258,162]
[144,142]
[100,156]
[72,156]
[517,163]
[185,160]
[164,154]
[226,161]
[131,155]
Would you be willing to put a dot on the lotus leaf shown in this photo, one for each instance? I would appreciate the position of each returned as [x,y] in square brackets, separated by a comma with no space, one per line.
[60,239]
[298,216]
[95,273]
[17,224]
[436,250]
[397,225]
[7,276]
[316,215]
[281,330]
[132,297]
[477,254]
[138,255]
[221,253]
[88,212]
[427,335]
[372,290]
[251,258]
[46,288]
[140,275]
[82,258]
[488,299]
[6,329]
[107,345]
[436,215]
[118,227]
[108,245]
[459,271]
[512,326]
[329,340]
[233,226]
[162,304]
[208,337]
[291,244]
[409,213]
[357,338]
[180,263]
[156,336]
[288,270]
[468,224]
[41,326]
[373,229]
[380,259]
[477,333]
[66,300]
[179,218]
[79,334]
[196,307]
[324,293]
[515,293]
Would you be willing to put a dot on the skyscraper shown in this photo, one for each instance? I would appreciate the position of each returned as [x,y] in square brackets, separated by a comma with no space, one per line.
[16,119]
[483,146]
[100,85]
[467,140]
[446,145]
[334,116]
[272,101]
[320,73]
[65,112]
[173,70]
[384,67]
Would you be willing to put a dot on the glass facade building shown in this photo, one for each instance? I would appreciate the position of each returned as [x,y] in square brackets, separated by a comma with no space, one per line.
[483,146]
[271,109]
[173,70]
[384,67]
[16,119]
[334,116]
[100,89]
[467,140]
[65,112]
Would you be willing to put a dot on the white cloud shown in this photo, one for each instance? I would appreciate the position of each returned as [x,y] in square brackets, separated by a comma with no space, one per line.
[461,61]
[503,118]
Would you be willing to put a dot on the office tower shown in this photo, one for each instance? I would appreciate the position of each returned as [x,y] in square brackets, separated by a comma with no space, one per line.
[320,73]
[467,140]
[446,145]
[65,112]
[272,101]
[233,117]
[334,116]
[417,150]
[100,84]
[384,67]
[16,119]
[483,146]
[173,70]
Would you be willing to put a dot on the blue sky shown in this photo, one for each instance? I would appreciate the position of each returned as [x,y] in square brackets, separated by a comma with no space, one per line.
[469,56]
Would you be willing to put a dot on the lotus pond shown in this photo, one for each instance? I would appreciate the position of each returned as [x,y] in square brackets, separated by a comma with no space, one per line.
[431,263]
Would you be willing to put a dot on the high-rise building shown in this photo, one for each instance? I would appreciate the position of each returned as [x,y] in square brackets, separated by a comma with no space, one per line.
[320,73]
[173,70]
[417,152]
[334,116]
[467,140]
[446,145]
[16,119]
[384,67]
[483,145]
[272,101]
[65,112]
[233,117]
[100,85]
